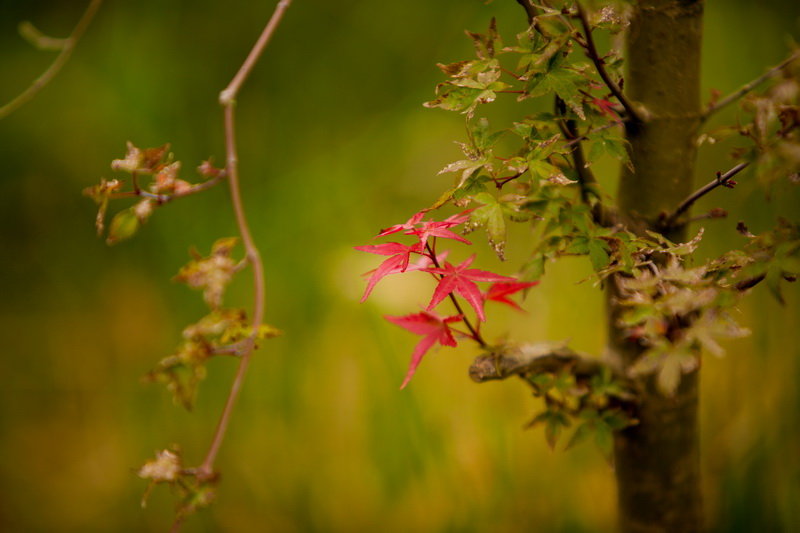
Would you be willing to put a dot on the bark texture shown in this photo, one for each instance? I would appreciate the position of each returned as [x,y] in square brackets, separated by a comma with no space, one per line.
[657,461]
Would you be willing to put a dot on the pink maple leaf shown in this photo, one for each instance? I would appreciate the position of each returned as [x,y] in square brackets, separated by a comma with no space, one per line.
[460,279]
[433,329]
[499,292]
[398,262]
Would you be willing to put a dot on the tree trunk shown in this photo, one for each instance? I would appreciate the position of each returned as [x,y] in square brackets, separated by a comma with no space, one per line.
[657,461]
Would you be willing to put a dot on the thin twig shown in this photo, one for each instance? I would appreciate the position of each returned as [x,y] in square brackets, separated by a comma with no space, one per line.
[177,523]
[227,99]
[228,95]
[60,60]
[198,187]
[721,179]
[747,87]
[586,177]
[475,333]
[602,214]
[715,213]
[166,198]
[500,182]
[591,52]
[586,135]
[529,8]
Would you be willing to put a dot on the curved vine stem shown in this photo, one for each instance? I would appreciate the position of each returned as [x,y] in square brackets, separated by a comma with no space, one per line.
[228,101]
[67,48]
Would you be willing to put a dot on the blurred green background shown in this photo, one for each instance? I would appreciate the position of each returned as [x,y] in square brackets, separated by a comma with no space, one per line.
[334,144]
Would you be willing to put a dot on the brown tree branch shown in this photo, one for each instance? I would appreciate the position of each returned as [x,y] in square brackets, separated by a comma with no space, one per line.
[67,47]
[586,179]
[591,52]
[528,360]
[747,87]
[529,8]
[601,213]
[228,100]
[722,179]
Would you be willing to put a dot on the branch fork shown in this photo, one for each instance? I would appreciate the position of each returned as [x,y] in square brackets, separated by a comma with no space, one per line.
[721,180]
[635,114]
[66,47]
[530,359]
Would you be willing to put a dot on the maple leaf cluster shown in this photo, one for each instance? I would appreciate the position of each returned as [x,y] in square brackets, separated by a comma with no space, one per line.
[453,281]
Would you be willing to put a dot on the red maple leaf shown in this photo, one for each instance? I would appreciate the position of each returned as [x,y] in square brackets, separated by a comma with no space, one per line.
[410,225]
[430,228]
[607,108]
[499,292]
[423,263]
[432,327]
[398,262]
[460,279]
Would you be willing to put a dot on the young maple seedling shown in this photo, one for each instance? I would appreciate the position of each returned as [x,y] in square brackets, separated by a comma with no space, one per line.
[665,306]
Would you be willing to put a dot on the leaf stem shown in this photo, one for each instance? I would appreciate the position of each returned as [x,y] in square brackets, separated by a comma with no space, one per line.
[500,182]
[60,60]
[228,100]
[475,333]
